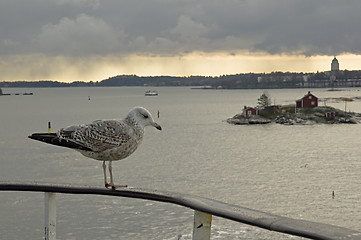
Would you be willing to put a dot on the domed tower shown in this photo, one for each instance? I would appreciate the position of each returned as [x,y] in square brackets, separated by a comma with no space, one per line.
[334,65]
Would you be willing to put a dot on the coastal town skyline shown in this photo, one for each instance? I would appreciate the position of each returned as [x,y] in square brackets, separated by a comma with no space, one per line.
[328,68]
[333,77]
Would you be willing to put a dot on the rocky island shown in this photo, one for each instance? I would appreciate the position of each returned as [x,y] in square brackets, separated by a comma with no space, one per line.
[303,116]
[305,112]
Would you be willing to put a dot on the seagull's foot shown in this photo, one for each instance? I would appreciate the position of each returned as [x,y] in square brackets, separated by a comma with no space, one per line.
[118,186]
[112,186]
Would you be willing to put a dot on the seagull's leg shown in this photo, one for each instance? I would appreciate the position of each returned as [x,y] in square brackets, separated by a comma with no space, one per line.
[111,173]
[111,177]
[105,175]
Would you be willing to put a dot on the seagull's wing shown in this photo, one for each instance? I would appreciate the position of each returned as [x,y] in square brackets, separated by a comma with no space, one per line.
[99,135]
[53,139]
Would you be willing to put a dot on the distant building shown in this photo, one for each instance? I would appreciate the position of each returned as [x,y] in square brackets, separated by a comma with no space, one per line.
[330,115]
[249,111]
[335,66]
[308,101]
[305,78]
[1,92]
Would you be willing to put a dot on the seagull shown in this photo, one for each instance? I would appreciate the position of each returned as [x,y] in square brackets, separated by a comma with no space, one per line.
[104,140]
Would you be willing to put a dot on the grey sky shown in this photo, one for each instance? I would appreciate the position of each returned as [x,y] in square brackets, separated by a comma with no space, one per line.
[82,28]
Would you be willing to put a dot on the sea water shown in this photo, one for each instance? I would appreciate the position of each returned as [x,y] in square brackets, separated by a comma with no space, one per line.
[285,170]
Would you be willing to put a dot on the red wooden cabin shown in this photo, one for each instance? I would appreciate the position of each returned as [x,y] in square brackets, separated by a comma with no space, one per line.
[249,111]
[309,100]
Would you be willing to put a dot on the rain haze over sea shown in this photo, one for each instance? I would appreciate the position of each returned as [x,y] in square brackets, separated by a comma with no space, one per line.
[285,170]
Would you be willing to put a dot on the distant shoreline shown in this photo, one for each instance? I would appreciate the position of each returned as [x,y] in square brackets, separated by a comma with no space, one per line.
[274,80]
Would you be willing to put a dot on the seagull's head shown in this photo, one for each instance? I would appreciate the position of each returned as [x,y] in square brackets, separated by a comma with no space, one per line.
[143,117]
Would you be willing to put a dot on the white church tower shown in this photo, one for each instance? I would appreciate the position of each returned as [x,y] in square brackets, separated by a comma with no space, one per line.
[335,65]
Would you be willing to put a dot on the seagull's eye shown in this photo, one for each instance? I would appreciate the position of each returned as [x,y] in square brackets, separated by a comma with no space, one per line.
[145,116]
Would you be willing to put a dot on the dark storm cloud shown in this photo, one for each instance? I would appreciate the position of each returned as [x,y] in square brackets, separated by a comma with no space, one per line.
[167,27]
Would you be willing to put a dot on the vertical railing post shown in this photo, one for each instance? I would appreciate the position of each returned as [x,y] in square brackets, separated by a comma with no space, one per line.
[50,216]
[202,226]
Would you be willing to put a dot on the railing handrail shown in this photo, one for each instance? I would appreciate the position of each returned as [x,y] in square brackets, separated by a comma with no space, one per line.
[296,227]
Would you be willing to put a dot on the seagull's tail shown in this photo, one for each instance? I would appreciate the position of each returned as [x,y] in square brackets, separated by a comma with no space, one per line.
[53,139]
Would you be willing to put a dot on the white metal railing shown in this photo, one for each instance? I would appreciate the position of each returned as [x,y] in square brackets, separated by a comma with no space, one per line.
[50,216]
[201,225]
[203,210]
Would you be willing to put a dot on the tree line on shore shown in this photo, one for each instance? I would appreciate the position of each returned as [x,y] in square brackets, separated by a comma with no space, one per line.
[237,81]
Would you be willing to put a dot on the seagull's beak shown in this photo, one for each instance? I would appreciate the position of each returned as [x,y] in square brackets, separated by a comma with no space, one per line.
[156,125]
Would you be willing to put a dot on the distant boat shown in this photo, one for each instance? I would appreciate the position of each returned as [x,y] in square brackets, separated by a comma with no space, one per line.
[151,93]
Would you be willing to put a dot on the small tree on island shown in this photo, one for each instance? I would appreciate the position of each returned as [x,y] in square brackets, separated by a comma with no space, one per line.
[264,100]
